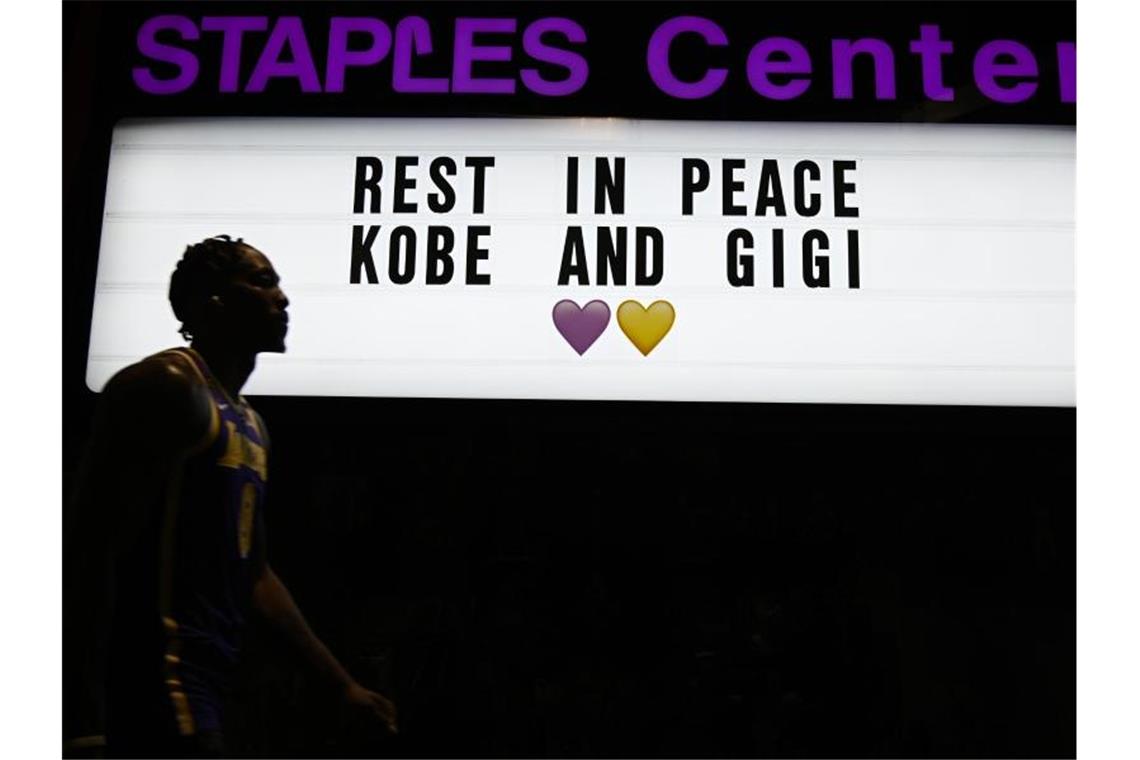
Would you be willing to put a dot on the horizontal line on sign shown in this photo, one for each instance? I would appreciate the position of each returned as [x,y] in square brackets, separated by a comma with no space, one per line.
[628,220]
[679,151]
[644,362]
[759,293]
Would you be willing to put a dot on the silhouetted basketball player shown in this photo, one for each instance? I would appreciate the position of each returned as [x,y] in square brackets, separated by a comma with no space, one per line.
[166,550]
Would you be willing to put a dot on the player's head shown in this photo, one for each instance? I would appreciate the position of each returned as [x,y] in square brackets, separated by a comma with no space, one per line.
[225,290]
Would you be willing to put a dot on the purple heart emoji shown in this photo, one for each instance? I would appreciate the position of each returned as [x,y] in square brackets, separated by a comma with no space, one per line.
[581,326]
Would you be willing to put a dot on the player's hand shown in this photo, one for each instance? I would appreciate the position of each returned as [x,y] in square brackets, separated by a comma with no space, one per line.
[362,700]
[81,753]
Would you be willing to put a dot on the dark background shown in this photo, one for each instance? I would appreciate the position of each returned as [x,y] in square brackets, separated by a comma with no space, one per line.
[639,579]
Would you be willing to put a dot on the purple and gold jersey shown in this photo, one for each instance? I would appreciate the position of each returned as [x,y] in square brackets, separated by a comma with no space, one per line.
[186,587]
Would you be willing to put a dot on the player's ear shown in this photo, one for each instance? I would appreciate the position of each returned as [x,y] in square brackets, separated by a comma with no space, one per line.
[213,309]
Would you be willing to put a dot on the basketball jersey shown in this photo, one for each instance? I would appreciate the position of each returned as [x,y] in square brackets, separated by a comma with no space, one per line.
[178,628]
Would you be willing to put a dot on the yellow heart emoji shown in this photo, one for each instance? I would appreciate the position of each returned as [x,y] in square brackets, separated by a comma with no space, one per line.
[645,327]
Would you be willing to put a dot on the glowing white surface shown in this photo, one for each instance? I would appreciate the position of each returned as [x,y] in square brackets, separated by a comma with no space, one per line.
[966,247]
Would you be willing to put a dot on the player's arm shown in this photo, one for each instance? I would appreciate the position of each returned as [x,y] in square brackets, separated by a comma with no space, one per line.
[276,606]
[149,417]
[274,603]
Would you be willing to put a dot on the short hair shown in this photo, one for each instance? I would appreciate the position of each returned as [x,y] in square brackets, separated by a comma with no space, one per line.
[200,273]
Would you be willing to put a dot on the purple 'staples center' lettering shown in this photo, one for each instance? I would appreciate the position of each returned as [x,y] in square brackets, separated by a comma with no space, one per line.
[492,56]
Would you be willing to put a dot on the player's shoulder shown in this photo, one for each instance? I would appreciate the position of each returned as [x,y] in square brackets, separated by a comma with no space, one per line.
[165,386]
[169,371]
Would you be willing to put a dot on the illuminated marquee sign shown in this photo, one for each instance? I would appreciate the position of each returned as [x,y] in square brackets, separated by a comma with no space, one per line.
[776,67]
[614,259]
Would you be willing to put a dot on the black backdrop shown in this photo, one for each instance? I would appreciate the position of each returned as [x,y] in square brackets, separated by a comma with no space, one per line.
[725,579]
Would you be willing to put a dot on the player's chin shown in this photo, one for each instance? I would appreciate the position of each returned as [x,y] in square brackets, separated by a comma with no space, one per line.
[274,346]
[277,340]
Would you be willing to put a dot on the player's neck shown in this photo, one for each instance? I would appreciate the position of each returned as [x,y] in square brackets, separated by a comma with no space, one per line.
[230,368]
